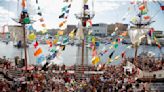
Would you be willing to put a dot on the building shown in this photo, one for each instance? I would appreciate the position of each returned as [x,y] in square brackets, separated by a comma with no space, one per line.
[121,28]
[159,34]
[100,29]
[111,28]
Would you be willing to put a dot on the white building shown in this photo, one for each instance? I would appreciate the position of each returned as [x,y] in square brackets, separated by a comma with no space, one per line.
[100,29]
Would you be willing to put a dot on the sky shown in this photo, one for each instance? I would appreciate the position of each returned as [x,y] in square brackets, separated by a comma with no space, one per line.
[106,11]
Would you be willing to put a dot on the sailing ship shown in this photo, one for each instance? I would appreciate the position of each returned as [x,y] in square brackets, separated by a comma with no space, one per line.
[141,30]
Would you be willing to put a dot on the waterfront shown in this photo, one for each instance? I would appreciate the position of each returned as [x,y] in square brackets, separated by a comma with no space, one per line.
[69,55]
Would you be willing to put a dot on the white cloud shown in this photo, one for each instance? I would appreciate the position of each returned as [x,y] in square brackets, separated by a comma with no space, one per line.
[106,5]
[5,16]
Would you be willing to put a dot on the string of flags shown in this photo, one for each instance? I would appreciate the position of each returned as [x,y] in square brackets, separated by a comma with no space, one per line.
[65,12]
[41,20]
[96,57]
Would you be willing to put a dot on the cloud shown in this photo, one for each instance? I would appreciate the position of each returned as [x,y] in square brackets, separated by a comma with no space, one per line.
[106,5]
[5,16]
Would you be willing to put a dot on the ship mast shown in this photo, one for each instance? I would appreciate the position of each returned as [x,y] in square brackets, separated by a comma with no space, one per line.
[83,18]
[23,20]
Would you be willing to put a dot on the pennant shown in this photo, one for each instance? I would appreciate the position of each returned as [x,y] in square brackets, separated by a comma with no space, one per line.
[41,19]
[62,47]
[105,51]
[116,28]
[150,33]
[43,25]
[110,56]
[113,34]
[101,54]
[142,7]
[95,60]
[65,40]
[146,17]
[159,46]
[62,23]
[23,3]
[109,60]
[113,42]
[162,8]
[32,36]
[36,44]
[89,23]
[61,32]
[69,5]
[117,57]
[40,59]
[39,13]
[48,42]
[152,30]
[53,50]
[64,8]
[134,20]
[143,12]
[38,52]
[62,16]
[30,28]
[65,17]
[116,45]
[123,54]
[93,39]
[118,40]
[54,55]
[72,33]
[55,41]
[26,20]
[85,1]
[67,12]
[97,44]
[111,47]
[86,7]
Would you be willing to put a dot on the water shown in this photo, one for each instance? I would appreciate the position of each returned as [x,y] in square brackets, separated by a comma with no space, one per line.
[69,55]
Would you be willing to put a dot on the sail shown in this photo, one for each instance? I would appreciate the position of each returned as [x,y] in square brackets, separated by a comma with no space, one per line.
[136,35]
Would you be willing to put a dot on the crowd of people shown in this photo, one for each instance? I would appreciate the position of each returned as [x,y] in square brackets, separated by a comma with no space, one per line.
[113,79]
[148,63]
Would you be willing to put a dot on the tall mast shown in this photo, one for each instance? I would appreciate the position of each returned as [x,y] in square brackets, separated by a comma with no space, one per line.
[83,18]
[25,50]
[139,27]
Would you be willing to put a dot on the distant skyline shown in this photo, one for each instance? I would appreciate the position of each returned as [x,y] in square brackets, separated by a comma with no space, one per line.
[106,11]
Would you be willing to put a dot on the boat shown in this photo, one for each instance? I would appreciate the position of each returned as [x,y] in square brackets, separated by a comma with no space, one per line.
[140,35]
